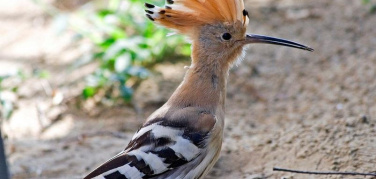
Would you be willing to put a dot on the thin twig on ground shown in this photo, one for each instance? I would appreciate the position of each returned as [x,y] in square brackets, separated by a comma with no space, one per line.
[322,173]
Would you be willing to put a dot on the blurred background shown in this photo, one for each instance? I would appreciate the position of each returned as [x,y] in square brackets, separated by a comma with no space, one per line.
[79,77]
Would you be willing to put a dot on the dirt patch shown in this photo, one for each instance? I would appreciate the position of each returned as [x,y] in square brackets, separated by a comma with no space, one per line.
[285,108]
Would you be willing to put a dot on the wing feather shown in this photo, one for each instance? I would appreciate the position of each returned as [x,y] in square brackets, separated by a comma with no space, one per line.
[168,144]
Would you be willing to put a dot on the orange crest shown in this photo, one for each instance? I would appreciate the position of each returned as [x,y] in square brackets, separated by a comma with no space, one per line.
[186,15]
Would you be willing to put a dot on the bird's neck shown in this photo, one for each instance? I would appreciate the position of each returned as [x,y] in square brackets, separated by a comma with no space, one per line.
[204,85]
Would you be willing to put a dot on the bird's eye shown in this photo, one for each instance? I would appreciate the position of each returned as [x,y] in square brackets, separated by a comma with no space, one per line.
[226,36]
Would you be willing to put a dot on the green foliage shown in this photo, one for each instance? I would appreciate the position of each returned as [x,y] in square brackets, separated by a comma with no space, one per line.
[10,82]
[41,74]
[127,44]
[372,8]
[8,93]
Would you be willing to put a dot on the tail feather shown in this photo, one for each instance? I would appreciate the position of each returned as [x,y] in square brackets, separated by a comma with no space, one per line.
[119,167]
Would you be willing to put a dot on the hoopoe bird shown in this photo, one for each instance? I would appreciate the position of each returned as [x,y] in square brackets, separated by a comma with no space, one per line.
[183,138]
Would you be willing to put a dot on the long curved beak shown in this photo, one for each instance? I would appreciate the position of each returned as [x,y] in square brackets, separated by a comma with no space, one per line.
[253,38]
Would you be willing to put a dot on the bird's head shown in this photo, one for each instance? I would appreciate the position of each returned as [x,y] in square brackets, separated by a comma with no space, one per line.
[217,28]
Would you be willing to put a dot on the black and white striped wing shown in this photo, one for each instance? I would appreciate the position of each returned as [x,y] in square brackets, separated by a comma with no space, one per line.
[155,149]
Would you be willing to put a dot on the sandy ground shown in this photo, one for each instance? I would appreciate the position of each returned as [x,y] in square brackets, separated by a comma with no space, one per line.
[285,108]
